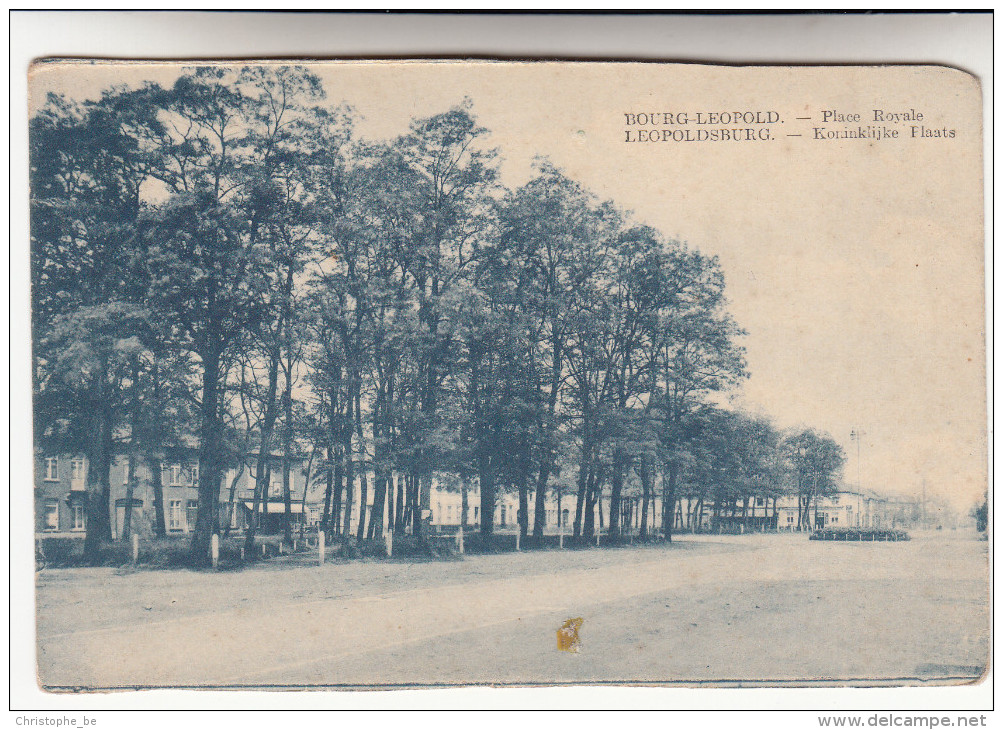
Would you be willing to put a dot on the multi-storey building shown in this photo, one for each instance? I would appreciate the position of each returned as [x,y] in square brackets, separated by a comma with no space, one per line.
[60,494]
[61,501]
[60,497]
[846,508]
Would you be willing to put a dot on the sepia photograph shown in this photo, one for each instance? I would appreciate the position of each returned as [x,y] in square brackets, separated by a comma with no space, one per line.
[492,361]
[384,374]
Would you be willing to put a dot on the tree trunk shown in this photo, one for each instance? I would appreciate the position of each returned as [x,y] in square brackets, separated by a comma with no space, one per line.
[339,489]
[599,511]
[346,450]
[157,484]
[424,516]
[381,432]
[523,515]
[584,477]
[130,491]
[669,503]
[377,514]
[98,527]
[616,488]
[409,499]
[287,502]
[264,450]
[287,447]
[391,516]
[325,518]
[306,490]
[644,470]
[399,507]
[360,529]
[464,498]
[540,508]
[363,479]
[231,500]
[487,483]
[588,523]
[210,446]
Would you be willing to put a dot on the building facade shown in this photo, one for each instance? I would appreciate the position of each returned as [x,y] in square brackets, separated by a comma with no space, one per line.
[61,495]
[61,499]
[61,503]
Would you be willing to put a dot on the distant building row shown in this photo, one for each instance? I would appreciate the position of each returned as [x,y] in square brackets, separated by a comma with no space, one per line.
[60,503]
[60,498]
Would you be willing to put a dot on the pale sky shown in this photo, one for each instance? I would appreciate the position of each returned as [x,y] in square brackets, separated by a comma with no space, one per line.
[855,265]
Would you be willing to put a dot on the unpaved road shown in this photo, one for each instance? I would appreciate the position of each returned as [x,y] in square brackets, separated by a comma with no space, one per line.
[743,609]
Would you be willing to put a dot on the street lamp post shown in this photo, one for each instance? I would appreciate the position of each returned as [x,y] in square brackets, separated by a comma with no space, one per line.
[855,434]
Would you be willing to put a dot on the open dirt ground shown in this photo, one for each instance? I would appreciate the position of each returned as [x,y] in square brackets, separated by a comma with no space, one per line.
[707,609]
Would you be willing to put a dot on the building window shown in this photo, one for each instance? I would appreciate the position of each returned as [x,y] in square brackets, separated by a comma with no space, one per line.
[78,517]
[182,476]
[449,512]
[174,515]
[52,469]
[191,514]
[835,519]
[504,514]
[77,474]
[52,515]
[759,501]
[313,515]
[477,513]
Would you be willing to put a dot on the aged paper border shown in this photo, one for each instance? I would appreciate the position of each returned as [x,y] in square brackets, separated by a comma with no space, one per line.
[946,39]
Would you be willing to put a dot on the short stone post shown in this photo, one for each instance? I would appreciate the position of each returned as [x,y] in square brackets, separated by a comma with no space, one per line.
[597,538]
[264,549]
[135,548]
[320,547]
[459,540]
[242,553]
[517,533]
[214,550]
[389,538]
[294,546]
[282,547]
[560,538]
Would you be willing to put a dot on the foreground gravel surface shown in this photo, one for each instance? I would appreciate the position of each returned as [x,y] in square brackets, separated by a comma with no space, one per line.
[739,609]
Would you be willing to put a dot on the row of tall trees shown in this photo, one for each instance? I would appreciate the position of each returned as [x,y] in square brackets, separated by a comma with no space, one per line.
[222,264]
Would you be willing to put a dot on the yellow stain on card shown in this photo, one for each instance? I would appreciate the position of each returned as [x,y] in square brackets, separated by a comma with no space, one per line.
[567,635]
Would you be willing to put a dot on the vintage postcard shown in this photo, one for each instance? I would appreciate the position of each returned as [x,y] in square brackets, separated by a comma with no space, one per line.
[384,374]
